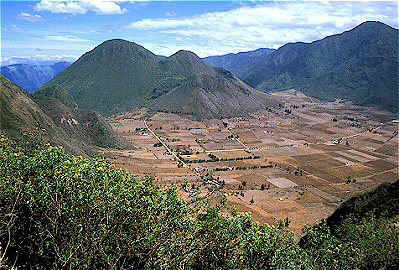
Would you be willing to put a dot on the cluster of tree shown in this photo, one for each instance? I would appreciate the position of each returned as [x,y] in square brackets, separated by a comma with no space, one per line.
[172,140]
[350,118]
[64,212]
[223,169]
[240,168]
[243,184]
[299,172]
[185,151]
[172,111]
[214,158]
[350,180]
[263,187]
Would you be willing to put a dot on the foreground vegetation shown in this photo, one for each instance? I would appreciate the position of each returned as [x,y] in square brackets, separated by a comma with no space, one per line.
[60,211]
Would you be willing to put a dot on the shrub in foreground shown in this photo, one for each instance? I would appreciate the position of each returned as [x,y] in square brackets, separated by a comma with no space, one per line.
[59,211]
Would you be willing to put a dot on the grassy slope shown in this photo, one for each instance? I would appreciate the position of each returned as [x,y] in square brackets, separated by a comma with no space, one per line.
[57,92]
[84,127]
[110,78]
[213,96]
[118,75]
[20,112]
[381,202]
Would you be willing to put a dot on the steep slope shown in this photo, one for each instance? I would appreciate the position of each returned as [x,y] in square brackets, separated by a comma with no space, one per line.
[238,63]
[360,65]
[272,63]
[119,75]
[57,92]
[31,77]
[185,63]
[211,96]
[78,131]
[381,202]
[19,112]
[83,126]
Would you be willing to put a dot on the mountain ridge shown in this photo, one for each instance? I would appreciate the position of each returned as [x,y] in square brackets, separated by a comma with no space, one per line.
[238,63]
[32,77]
[359,64]
[119,75]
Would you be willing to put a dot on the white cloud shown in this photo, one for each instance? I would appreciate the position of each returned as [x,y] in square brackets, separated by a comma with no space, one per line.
[271,24]
[66,38]
[169,49]
[15,28]
[30,18]
[171,13]
[37,59]
[102,7]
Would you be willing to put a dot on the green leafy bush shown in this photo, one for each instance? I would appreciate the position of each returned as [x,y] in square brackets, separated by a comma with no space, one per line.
[61,211]
[369,244]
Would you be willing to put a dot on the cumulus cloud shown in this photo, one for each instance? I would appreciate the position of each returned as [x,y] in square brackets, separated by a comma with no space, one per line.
[30,18]
[200,50]
[38,59]
[102,7]
[273,24]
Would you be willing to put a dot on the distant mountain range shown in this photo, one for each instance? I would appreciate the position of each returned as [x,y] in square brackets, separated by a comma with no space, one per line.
[31,77]
[118,76]
[360,65]
[238,63]
[80,132]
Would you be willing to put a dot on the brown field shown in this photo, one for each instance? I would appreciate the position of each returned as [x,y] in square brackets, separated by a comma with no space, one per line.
[273,164]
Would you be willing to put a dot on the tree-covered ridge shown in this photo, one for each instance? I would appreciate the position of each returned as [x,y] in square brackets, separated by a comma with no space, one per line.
[59,211]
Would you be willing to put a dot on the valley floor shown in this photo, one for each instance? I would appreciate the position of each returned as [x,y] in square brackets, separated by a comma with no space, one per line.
[299,161]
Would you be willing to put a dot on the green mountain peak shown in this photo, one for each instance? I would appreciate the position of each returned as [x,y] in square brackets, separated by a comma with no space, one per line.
[119,76]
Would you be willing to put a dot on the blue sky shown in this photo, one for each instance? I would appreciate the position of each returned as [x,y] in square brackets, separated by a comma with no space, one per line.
[34,31]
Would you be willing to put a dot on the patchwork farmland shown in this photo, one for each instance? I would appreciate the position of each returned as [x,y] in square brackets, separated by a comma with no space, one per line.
[299,161]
